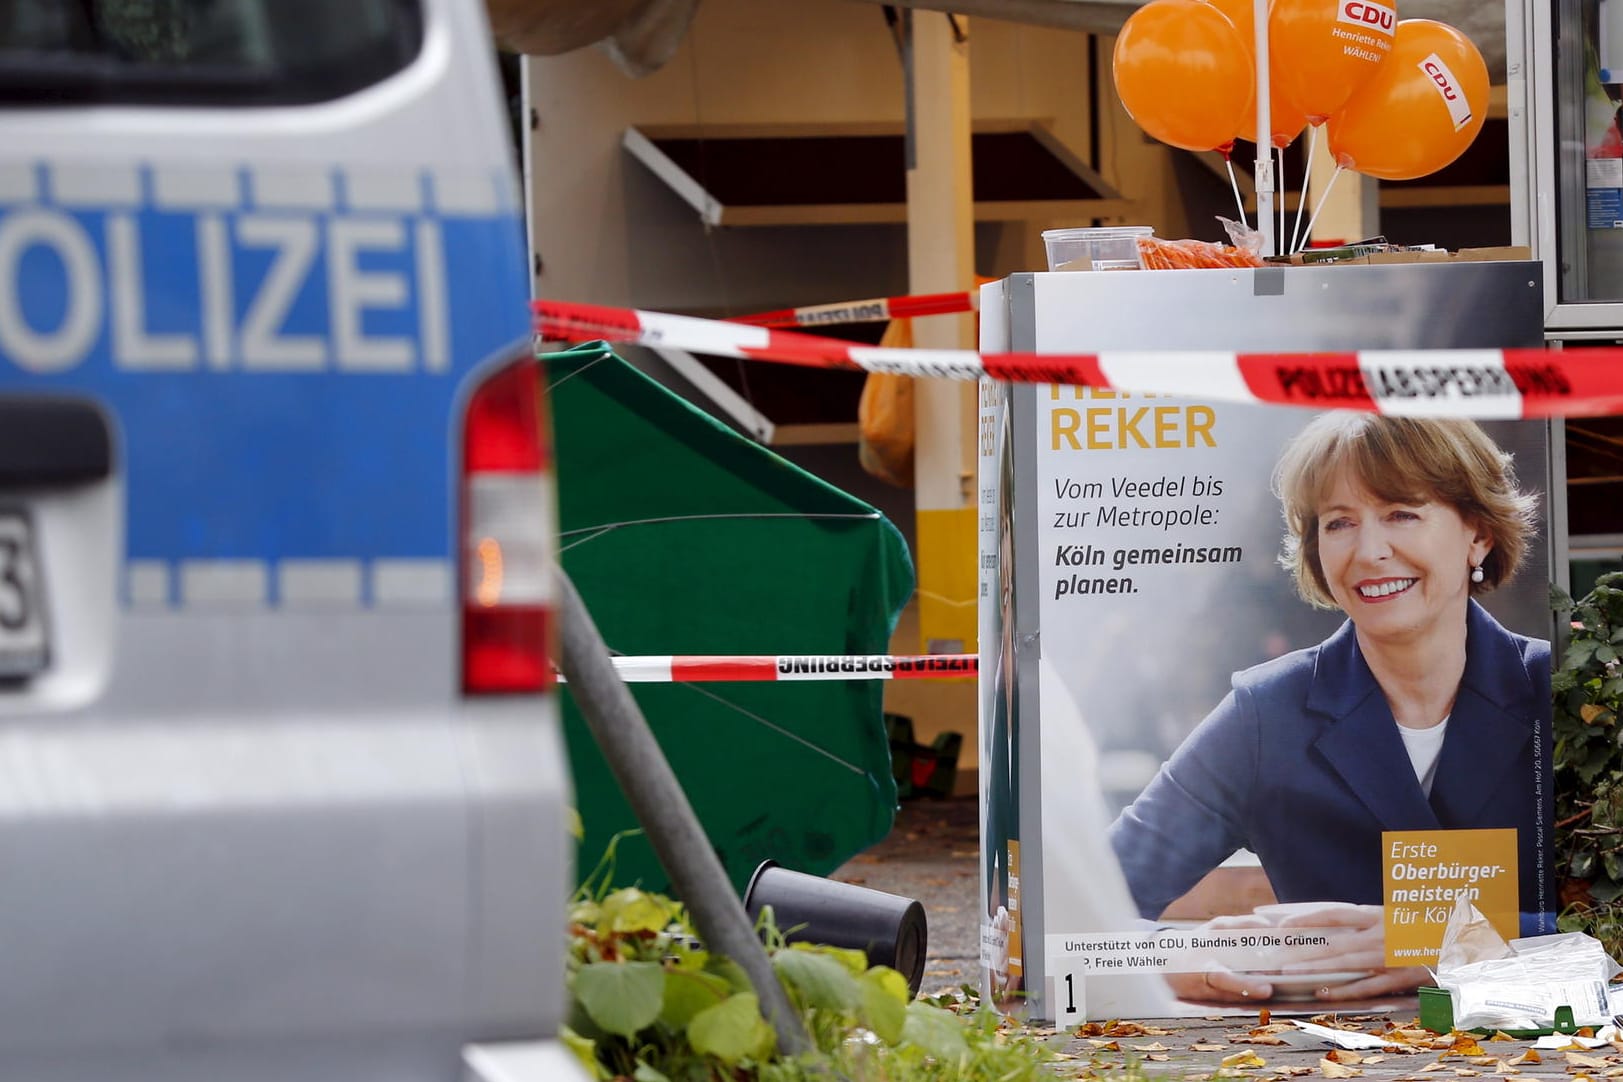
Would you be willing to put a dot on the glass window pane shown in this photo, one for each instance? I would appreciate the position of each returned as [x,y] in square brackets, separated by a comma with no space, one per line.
[200,51]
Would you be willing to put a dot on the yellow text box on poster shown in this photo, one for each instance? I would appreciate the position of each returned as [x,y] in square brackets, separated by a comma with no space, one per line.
[1424,874]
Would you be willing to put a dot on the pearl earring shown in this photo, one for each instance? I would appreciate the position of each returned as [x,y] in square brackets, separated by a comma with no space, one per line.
[1476,573]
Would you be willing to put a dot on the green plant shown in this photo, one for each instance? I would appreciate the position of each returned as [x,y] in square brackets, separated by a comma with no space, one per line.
[1588,764]
[649,1003]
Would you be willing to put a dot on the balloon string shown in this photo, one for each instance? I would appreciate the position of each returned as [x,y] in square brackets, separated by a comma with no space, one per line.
[1279,154]
[1322,200]
[1307,176]
[1235,185]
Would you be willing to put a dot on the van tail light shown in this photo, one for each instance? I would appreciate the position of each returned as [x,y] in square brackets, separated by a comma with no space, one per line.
[508,521]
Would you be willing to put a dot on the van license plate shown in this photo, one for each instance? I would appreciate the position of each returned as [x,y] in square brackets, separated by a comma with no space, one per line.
[22,601]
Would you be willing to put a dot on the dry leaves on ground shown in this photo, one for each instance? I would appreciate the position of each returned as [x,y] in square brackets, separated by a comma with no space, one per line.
[1464,1045]
[1241,1061]
[1578,1059]
[1117,1028]
[1266,1033]
[1333,1069]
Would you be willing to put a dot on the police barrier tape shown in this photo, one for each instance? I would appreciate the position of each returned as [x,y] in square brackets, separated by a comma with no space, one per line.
[721,668]
[876,310]
[1483,384]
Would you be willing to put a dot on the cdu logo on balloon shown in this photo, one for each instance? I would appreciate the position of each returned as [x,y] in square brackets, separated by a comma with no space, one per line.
[1364,13]
[1459,110]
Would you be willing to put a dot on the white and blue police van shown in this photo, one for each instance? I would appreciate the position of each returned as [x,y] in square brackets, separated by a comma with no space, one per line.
[281,788]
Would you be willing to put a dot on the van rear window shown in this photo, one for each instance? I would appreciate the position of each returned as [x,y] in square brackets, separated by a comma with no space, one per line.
[200,52]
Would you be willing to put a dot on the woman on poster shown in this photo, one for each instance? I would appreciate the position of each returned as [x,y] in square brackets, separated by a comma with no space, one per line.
[1420,713]
[1001,978]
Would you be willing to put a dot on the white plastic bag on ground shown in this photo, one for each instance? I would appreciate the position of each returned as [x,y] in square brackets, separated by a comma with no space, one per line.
[1519,985]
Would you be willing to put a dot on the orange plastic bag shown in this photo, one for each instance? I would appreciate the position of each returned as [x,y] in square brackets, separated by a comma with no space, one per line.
[1158,254]
[885,416]
[1244,250]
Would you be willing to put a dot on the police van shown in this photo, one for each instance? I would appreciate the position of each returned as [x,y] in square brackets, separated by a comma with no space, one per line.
[281,788]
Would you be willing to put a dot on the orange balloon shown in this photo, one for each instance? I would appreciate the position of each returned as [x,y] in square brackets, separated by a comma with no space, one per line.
[1327,49]
[1285,121]
[1181,72]
[1422,109]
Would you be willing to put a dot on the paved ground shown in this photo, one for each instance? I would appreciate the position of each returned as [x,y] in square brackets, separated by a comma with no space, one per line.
[932,854]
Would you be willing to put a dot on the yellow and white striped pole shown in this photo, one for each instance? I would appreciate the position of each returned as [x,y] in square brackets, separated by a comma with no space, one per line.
[941,258]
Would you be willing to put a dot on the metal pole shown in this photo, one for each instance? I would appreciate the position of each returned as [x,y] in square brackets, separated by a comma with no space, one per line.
[651,788]
[1265,140]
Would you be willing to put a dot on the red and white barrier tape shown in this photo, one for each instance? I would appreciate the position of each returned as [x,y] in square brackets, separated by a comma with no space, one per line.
[1478,383]
[700,669]
[876,310]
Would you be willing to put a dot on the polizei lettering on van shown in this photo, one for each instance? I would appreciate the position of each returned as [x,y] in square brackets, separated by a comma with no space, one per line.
[251,291]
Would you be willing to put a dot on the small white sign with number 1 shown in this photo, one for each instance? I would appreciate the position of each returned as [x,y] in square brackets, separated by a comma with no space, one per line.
[1070,995]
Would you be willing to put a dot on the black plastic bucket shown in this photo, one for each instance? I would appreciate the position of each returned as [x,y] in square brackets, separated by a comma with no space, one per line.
[890,929]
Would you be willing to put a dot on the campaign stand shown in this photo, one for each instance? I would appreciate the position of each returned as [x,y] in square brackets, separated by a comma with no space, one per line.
[1129,565]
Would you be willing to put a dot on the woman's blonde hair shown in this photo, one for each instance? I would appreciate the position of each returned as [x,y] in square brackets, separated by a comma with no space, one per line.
[1401,460]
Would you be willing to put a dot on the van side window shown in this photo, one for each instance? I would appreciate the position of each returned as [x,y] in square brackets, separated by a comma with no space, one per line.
[200,52]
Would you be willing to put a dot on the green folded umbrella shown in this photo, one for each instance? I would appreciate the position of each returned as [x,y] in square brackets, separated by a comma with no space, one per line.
[684,537]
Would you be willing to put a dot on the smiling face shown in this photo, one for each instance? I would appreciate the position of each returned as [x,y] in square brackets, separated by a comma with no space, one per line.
[1401,571]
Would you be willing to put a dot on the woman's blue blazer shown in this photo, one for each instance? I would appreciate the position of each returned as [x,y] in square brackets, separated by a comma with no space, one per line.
[1302,764]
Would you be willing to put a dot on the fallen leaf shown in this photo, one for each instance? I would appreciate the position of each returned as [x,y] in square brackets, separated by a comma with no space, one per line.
[1331,1069]
[1505,1068]
[1246,1038]
[1295,1072]
[1466,1072]
[1595,714]
[1375,1058]
[1343,1055]
[1263,1015]
[1155,1046]
[1207,1047]
[1158,1057]
[1412,1036]
[1501,1035]
[1529,1056]
[1575,1059]
[1438,1066]
[1483,1061]
[1243,1060]
[1104,1046]
[1464,1045]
